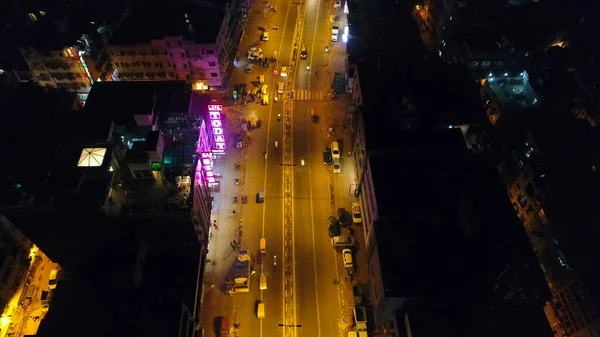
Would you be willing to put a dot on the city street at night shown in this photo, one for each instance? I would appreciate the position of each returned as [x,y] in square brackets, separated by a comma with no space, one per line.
[307,290]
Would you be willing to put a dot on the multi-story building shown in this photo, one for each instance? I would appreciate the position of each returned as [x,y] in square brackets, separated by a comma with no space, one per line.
[66,49]
[188,42]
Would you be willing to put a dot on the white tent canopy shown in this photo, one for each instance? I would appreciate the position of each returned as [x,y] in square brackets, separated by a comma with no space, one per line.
[92,157]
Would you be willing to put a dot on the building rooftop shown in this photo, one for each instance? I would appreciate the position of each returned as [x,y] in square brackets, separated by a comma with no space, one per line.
[28,151]
[452,217]
[119,101]
[148,24]
[483,26]
[58,28]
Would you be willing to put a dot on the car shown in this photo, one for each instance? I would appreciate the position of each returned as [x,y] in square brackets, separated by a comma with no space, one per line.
[347,257]
[255,50]
[264,63]
[283,71]
[337,167]
[303,53]
[264,89]
[264,37]
[342,241]
[254,56]
[356,215]
[327,158]
[335,148]
[275,70]
[333,227]
[337,4]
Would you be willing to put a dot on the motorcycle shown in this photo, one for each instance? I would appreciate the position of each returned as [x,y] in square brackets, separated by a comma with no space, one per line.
[327,49]
[237,181]
[274,260]
[276,143]
[278,117]
[302,162]
[276,27]
[265,154]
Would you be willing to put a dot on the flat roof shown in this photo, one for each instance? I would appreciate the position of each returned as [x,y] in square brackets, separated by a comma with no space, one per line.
[514,92]
[119,101]
[61,27]
[148,24]
[445,214]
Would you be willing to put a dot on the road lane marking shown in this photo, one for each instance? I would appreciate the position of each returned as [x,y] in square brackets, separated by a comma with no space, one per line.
[312,221]
[283,185]
[288,160]
[312,47]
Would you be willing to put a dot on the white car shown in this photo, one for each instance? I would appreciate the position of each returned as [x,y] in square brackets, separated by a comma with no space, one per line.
[254,56]
[337,167]
[356,215]
[337,4]
[283,71]
[255,50]
[347,256]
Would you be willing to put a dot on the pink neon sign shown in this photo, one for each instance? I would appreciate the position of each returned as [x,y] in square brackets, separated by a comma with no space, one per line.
[205,168]
[216,123]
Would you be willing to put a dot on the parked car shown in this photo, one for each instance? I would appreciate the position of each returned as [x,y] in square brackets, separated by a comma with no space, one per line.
[327,158]
[356,215]
[342,241]
[304,52]
[348,261]
[337,166]
[333,226]
[283,72]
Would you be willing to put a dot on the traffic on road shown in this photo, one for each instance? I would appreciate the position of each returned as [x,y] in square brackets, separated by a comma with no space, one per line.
[289,275]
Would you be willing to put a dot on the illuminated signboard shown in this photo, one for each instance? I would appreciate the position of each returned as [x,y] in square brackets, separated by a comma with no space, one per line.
[205,168]
[216,123]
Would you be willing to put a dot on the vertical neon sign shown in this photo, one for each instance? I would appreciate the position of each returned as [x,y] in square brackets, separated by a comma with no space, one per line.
[216,123]
[205,168]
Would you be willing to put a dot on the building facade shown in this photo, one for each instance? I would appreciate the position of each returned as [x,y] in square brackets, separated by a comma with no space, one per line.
[193,43]
[65,51]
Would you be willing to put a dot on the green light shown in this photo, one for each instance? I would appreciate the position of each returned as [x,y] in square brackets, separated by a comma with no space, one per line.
[234,94]
[19,186]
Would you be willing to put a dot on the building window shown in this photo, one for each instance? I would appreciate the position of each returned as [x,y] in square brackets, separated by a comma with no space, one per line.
[171,55]
[179,43]
[46,54]
[156,64]
[214,75]
[168,44]
[44,77]
[182,55]
[143,52]
[126,64]
[187,77]
[184,66]
[212,64]
[160,65]
[523,200]
[210,51]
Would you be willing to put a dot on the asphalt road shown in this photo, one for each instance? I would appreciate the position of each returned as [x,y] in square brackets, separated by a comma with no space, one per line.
[304,286]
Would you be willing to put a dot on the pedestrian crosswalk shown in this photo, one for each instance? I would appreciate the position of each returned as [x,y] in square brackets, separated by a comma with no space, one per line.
[306,95]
